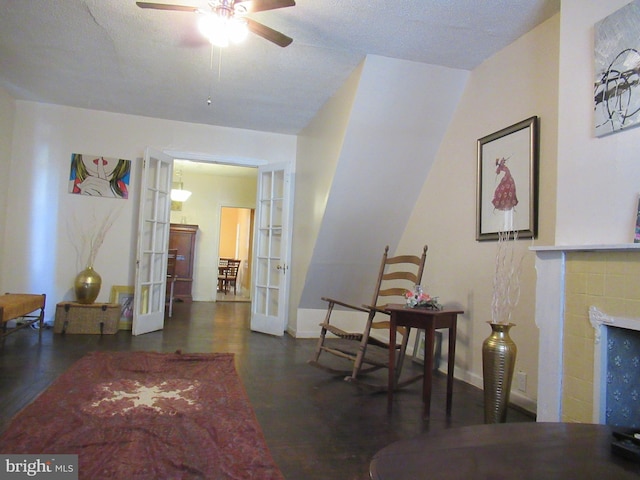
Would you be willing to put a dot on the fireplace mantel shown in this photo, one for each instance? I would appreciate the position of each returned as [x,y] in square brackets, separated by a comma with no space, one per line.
[549,317]
[587,248]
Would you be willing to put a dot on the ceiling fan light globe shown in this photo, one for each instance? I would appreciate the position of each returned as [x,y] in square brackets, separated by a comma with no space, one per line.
[207,23]
[213,27]
[237,30]
[220,29]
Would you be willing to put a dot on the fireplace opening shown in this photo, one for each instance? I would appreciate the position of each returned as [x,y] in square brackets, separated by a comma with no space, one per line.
[622,404]
[617,370]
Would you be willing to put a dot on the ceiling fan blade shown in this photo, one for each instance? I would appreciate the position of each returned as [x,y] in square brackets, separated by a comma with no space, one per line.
[267,33]
[166,6]
[250,6]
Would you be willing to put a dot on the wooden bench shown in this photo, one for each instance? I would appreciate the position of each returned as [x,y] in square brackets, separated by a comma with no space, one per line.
[21,305]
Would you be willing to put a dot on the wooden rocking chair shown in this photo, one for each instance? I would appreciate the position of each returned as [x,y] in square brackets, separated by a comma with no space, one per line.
[397,275]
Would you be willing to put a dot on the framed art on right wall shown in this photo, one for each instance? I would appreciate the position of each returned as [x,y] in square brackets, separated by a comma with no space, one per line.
[636,236]
[507,190]
[616,93]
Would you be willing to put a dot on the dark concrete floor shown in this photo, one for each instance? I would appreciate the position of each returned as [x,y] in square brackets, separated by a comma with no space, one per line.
[316,426]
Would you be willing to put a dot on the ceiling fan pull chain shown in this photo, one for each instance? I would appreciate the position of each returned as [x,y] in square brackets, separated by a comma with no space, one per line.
[211,76]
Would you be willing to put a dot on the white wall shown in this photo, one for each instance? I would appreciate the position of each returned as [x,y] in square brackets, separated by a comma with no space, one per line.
[516,83]
[318,153]
[598,178]
[394,129]
[7,116]
[38,254]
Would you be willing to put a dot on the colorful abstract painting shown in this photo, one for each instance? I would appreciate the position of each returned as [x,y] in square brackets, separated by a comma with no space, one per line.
[99,176]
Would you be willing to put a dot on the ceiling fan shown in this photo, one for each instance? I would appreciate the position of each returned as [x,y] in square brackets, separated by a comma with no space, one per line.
[225,20]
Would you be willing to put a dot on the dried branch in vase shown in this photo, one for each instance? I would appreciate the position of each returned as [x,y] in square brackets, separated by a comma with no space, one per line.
[506,280]
[88,236]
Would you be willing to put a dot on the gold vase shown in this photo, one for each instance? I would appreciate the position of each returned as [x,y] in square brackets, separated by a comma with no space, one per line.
[498,363]
[87,285]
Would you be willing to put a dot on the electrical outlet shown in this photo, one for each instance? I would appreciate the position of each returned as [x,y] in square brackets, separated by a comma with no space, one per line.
[521,378]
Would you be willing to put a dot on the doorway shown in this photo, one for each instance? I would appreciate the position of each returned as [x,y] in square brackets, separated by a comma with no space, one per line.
[236,239]
[214,187]
[273,185]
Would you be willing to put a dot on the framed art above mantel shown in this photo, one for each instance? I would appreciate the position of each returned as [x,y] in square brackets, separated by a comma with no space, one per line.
[616,93]
[507,189]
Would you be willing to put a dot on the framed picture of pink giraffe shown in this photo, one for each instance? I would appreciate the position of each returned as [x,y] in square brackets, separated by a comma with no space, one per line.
[507,190]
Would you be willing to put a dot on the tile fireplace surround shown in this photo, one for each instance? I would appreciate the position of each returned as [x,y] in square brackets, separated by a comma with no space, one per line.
[571,280]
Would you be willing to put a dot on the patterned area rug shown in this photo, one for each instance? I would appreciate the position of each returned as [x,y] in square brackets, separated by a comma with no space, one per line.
[144,415]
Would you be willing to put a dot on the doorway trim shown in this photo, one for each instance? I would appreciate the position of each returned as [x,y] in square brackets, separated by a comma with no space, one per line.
[248,268]
[220,159]
[288,167]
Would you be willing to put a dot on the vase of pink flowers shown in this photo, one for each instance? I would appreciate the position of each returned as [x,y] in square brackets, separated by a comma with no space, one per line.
[417,298]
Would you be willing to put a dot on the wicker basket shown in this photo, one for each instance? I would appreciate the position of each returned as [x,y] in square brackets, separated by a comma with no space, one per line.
[94,318]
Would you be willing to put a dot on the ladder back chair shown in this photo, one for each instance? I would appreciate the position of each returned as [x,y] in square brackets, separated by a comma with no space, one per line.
[366,352]
[228,275]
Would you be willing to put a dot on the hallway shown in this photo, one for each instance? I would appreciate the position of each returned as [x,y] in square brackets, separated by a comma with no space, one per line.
[241,296]
[316,426]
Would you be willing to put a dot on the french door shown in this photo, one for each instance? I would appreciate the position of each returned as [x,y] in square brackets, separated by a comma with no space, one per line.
[153,243]
[272,250]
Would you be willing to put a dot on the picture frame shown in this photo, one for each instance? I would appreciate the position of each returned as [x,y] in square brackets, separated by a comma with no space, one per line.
[99,176]
[124,296]
[507,182]
[616,96]
[636,235]
[418,348]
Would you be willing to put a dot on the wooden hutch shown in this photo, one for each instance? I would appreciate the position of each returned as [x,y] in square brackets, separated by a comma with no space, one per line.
[183,238]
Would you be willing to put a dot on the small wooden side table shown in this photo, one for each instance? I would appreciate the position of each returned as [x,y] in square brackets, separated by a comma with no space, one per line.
[430,321]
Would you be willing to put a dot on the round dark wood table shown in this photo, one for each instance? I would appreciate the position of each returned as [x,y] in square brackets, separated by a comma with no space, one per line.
[522,451]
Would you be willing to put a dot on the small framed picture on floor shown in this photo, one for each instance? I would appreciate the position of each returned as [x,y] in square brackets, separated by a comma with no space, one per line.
[636,237]
[418,349]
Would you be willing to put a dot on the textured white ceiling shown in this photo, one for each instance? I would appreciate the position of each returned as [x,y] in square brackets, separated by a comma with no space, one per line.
[111,55]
